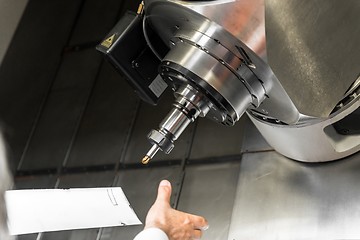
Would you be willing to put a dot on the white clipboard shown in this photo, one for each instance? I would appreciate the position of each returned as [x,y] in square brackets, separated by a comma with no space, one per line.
[33,211]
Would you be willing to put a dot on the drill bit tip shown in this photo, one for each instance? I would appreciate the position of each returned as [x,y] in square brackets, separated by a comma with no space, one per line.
[146,159]
[150,154]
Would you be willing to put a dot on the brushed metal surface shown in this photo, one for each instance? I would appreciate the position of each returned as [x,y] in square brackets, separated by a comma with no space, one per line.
[244,19]
[253,141]
[278,198]
[313,49]
[209,191]
[214,140]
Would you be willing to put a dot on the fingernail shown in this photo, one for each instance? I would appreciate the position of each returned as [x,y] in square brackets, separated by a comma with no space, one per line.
[204,228]
[165,183]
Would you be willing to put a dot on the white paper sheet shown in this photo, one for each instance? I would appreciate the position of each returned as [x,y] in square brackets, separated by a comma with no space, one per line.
[32,211]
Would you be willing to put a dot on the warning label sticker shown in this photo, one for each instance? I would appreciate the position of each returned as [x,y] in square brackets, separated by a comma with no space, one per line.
[108,42]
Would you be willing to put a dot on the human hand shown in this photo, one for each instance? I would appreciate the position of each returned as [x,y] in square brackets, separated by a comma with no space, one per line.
[176,224]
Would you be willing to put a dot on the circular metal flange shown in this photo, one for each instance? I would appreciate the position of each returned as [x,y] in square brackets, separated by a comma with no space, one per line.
[174,75]
[176,23]
[239,66]
[189,64]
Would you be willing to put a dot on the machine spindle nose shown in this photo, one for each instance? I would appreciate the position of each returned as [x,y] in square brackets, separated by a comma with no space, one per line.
[188,105]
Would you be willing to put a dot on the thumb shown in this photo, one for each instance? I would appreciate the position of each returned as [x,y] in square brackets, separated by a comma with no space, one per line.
[164,191]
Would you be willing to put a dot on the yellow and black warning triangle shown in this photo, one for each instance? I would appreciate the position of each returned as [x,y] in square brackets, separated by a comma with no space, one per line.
[109,41]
